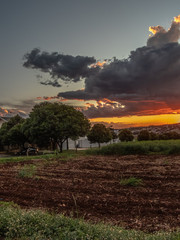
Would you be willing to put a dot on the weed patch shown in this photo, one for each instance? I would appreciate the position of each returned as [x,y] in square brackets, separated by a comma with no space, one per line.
[132,181]
[27,171]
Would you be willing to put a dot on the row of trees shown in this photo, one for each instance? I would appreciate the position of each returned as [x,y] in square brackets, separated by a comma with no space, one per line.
[48,123]
[53,123]
[144,135]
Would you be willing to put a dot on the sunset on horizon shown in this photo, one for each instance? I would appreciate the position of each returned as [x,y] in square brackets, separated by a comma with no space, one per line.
[115,62]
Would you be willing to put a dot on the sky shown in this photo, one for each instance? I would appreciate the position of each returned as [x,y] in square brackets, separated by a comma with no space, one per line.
[95,55]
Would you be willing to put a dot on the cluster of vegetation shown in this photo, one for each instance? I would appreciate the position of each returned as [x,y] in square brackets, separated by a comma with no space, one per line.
[48,124]
[33,224]
[51,124]
[139,147]
[27,171]
[126,135]
[145,135]
[100,134]
[132,181]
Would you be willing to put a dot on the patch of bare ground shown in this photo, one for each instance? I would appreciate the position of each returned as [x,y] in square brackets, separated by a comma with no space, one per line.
[89,187]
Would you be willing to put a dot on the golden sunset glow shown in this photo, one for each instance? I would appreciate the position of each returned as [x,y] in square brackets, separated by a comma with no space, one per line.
[153,30]
[136,121]
[98,64]
[177,19]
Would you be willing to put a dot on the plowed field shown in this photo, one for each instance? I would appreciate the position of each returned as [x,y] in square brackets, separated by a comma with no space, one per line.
[89,187]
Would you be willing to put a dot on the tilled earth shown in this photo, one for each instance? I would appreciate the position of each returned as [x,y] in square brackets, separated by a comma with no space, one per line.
[89,187]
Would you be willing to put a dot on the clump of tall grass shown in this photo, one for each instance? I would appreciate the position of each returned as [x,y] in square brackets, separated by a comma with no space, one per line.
[27,171]
[132,181]
[33,224]
[165,147]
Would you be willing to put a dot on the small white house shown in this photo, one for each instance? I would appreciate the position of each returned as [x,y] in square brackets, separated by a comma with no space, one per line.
[83,142]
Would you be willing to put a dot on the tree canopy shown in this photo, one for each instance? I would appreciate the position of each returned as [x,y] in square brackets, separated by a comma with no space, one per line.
[126,135]
[11,132]
[55,123]
[143,135]
[100,134]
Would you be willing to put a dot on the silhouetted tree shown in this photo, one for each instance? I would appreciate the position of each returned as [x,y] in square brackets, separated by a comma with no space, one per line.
[8,129]
[125,135]
[113,133]
[55,123]
[143,135]
[100,134]
[153,136]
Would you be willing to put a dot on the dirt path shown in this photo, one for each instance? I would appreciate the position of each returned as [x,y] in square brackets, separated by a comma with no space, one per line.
[90,188]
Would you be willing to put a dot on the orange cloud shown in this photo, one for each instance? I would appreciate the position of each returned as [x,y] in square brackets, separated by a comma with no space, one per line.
[98,64]
[177,19]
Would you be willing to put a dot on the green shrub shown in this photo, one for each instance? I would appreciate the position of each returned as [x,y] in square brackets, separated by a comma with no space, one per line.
[165,147]
[132,181]
[28,171]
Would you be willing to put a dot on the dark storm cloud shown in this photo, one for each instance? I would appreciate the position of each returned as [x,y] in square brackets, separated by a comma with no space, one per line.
[64,67]
[54,83]
[150,74]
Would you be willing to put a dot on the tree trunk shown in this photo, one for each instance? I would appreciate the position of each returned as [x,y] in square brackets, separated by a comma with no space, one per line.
[99,145]
[67,144]
[61,147]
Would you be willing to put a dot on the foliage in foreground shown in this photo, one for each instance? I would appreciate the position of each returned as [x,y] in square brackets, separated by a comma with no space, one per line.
[166,147]
[20,224]
[27,171]
[65,156]
[132,181]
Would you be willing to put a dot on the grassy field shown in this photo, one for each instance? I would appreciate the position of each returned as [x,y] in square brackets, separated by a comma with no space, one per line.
[164,147]
[38,225]
[16,223]
[65,156]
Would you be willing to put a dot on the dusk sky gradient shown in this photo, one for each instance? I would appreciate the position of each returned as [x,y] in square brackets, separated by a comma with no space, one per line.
[98,29]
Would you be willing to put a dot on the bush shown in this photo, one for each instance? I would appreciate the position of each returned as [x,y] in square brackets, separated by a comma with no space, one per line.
[166,147]
[132,181]
[143,135]
[27,171]
[125,135]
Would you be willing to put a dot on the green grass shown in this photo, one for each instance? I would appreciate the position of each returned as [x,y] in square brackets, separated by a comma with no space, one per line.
[165,147]
[38,225]
[132,181]
[64,156]
[27,171]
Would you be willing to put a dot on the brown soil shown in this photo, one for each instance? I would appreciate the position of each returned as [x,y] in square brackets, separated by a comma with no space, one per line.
[89,187]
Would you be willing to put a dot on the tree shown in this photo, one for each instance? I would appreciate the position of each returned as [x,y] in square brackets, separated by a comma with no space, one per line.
[16,135]
[169,135]
[5,135]
[55,123]
[113,133]
[143,135]
[125,135]
[100,134]
[153,136]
